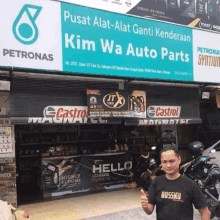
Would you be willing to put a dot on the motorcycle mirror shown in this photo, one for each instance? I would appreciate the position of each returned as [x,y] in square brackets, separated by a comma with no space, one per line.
[213,151]
[153,148]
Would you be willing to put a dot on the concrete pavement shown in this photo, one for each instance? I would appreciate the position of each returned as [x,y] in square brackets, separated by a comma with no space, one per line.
[120,204]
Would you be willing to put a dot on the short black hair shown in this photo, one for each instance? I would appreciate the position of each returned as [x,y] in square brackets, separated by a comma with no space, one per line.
[170,147]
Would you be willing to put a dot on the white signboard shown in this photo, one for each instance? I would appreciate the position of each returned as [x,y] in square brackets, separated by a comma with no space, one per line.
[32,34]
[119,6]
[206,56]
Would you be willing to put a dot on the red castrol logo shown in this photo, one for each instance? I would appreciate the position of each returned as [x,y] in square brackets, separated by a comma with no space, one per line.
[164,111]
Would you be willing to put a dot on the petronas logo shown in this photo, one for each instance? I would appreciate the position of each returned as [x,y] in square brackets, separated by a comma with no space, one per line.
[24,27]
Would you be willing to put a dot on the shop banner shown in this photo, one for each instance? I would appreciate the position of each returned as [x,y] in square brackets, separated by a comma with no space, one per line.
[116,103]
[107,169]
[206,57]
[76,173]
[61,174]
[50,35]
[193,13]
[64,115]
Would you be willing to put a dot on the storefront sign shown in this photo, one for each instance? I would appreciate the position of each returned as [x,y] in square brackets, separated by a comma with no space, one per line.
[43,120]
[116,103]
[66,112]
[163,121]
[164,111]
[117,45]
[64,115]
[72,174]
[65,120]
[166,121]
[194,13]
[206,57]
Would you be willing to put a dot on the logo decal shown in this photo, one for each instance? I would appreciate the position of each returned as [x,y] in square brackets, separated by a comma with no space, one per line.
[49,112]
[65,112]
[93,100]
[114,100]
[24,27]
[151,111]
[164,111]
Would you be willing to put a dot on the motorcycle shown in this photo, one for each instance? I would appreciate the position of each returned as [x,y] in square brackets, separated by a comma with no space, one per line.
[207,175]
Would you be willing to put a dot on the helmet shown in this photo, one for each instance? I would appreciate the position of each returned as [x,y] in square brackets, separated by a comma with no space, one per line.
[152,163]
[196,148]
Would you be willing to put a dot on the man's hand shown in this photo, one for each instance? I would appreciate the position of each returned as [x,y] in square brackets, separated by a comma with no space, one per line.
[144,199]
[148,208]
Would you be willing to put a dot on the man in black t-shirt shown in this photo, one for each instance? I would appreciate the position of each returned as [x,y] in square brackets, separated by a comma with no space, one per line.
[172,193]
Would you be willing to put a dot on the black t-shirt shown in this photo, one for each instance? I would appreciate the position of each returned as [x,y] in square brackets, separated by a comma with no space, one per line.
[174,198]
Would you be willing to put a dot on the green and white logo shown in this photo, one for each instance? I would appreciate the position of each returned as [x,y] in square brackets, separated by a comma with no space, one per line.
[24,27]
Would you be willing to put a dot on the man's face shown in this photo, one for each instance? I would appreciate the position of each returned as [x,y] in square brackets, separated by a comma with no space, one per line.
[170,162]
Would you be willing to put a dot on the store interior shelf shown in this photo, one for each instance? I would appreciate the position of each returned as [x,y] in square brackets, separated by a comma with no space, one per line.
[94,140]
[66,142]
[32,132]
[136,145]
[135,137]
[79,155]
[26,144]
[26,169]
[31,155]
[59,131]
[43,143]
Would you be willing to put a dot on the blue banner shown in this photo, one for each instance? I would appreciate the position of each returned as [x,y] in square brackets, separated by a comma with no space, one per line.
[108,44]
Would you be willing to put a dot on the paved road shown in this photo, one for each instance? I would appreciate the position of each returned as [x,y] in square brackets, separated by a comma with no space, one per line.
[137,214]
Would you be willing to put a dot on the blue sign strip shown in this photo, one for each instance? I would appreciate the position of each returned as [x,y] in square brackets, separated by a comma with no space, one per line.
[102,43]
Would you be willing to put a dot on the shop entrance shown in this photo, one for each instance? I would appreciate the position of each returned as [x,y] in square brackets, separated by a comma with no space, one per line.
[28,165]
[38,144]
[42,150]
[49,156]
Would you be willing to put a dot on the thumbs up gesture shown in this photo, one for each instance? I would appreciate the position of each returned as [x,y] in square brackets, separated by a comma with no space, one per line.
[144,199]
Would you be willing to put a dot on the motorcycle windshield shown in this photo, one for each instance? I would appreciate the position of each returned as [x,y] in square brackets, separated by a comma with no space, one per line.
[208,150]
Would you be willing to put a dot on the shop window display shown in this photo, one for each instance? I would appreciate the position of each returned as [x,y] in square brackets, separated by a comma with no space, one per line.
[38,144]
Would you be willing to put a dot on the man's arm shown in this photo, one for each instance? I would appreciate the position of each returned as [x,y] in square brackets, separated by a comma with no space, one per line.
[147,207]
[205,214]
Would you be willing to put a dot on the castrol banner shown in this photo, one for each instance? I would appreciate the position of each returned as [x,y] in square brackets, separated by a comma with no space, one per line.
[64,115]
[117,45]
[164,111]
